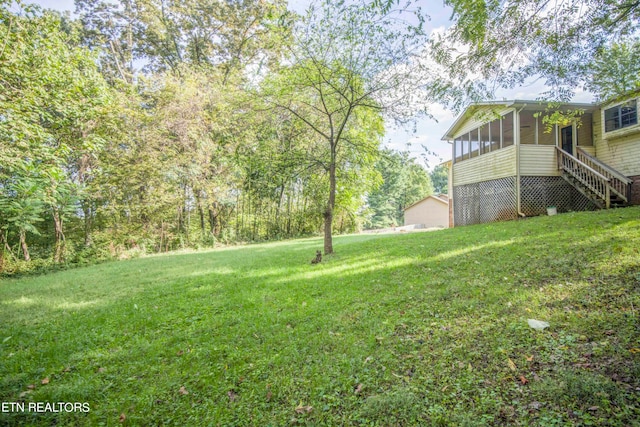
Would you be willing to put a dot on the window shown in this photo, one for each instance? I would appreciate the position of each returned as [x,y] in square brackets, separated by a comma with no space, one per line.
[621,116]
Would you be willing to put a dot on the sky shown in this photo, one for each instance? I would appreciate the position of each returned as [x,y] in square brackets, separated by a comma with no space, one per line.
[427,132]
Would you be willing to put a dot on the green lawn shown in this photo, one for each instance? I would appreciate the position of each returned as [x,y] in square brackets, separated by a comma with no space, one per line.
[411,329]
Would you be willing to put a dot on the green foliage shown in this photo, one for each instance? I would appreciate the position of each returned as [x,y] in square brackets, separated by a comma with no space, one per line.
[393,408]
[569,44]
[440,179]
[52,97]
[168,35]
[349,65]
[103,160]
[404,182]
[616,70]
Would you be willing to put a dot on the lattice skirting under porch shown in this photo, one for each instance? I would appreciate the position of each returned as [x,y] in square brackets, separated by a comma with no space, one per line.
[539,192]
[486,201]
[495,200]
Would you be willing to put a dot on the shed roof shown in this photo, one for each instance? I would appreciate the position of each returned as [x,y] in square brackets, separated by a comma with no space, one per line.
[442,198]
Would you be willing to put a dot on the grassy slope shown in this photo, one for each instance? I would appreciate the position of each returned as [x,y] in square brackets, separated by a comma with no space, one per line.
[426,328]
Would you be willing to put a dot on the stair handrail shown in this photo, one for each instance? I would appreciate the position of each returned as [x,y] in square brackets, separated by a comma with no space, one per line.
[620,184]
[596,182]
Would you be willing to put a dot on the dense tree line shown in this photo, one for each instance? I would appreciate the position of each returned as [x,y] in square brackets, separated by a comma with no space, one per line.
[153,125]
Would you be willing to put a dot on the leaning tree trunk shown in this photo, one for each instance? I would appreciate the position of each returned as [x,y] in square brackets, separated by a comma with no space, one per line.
[328,213]
[59,237]
[23,245]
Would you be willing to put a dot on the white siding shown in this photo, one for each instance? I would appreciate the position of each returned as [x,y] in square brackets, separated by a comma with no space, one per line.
[494,165]
[538,160]
[621,153]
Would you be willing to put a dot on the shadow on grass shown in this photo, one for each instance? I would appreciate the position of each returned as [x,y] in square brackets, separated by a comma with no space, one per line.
[387,323]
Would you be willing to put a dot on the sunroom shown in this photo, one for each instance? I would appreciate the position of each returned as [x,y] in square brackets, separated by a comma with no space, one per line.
[505,160]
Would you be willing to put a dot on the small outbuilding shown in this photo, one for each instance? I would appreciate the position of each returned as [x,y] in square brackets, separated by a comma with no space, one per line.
[432,211]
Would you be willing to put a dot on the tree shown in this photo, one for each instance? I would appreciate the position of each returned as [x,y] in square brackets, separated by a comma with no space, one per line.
[404,182]
[52,99]
[616,70]
[505,43]
[348,62]
[440,179]
[166,34]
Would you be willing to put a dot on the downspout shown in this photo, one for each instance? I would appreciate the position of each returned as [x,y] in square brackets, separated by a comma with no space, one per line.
[452,216]
[517,140]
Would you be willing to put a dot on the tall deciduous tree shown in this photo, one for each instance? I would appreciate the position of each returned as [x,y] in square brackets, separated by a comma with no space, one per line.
[440,179]
[616,70]
[166,34]
[52,96]
[347,61]
[508,42]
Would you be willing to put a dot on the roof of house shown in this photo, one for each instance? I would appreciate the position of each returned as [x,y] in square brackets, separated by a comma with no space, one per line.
[515,103]
[442,198]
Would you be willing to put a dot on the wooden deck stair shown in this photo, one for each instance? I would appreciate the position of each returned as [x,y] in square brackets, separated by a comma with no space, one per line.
[602,184]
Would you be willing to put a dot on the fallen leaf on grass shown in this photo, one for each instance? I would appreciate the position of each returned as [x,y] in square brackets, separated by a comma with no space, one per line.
[45,381]
[183,391]
[634,350]
[523,380]
[358,389]
[594,408]
[122,418]
[512,365]
[31,386]
[303,409]
[530,359]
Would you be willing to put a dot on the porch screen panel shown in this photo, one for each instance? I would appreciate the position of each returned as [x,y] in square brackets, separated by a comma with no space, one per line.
[527,128]
[465,145]
[457,146]
[494,130]
[507,130]
[485,141]
[475,145]
[545,136]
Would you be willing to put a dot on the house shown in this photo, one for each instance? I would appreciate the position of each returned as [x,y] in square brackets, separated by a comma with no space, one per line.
[509,162]
[432,211]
